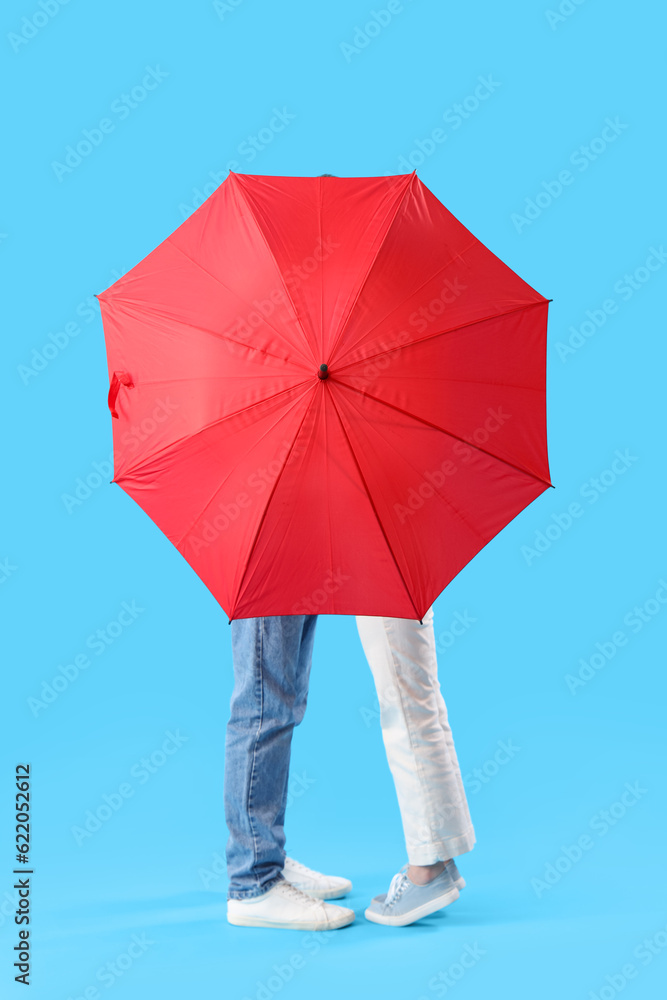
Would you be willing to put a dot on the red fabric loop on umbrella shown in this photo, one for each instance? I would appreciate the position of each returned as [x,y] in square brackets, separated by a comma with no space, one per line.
[118,379]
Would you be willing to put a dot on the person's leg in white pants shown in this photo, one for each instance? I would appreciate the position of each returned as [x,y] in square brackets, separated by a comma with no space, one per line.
[417,737]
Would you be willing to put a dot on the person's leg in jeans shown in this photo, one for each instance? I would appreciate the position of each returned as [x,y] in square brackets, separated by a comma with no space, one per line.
[418,741]
[302,679]
[272,658]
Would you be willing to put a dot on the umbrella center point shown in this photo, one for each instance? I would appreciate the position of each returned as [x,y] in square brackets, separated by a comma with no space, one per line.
[323,371]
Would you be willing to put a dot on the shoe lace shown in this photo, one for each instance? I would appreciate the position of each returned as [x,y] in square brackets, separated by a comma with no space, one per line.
[397,886]
[291,892]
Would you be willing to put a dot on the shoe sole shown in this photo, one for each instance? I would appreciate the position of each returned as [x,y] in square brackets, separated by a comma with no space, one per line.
[301,925]
[420,911]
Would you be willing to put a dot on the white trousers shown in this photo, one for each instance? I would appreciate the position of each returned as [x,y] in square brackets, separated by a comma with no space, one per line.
[417,737]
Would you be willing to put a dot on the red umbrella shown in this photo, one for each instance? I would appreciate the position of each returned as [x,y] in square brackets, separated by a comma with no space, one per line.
[329,394]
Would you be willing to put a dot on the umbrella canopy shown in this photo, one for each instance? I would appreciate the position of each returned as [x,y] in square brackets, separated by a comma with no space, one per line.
[329,395]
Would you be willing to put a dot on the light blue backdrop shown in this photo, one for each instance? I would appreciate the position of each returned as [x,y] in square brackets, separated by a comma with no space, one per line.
[550,150]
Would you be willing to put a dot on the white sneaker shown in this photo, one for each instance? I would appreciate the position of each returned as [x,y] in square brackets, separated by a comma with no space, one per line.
[314,883]
[286,906]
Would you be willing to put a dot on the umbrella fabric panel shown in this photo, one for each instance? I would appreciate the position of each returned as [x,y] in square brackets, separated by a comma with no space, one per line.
[439,505]
[208,494]
[349,217]
[430,275]
[173,328]
[215,272]
[223,237]
[483,383]
[321,537]
[164,406]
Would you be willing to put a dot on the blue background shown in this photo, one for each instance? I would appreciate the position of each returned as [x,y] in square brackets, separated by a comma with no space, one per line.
[68,571]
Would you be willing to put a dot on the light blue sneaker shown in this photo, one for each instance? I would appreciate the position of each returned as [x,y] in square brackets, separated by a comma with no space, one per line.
[406,902]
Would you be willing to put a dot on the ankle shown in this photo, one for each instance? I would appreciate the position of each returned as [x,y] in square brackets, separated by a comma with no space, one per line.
[423,874]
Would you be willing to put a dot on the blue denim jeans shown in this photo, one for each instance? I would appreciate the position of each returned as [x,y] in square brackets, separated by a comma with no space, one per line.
[272,658]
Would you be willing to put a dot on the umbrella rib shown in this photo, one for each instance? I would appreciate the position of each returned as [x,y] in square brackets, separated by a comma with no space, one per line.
[328,490]
[414,292]
[210,378]
[370,500]
[321,268]
[266,508]
[282,279]
[214,423]
[441,333]
[443,430]
[464,381]
[223,285]
[408,188]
